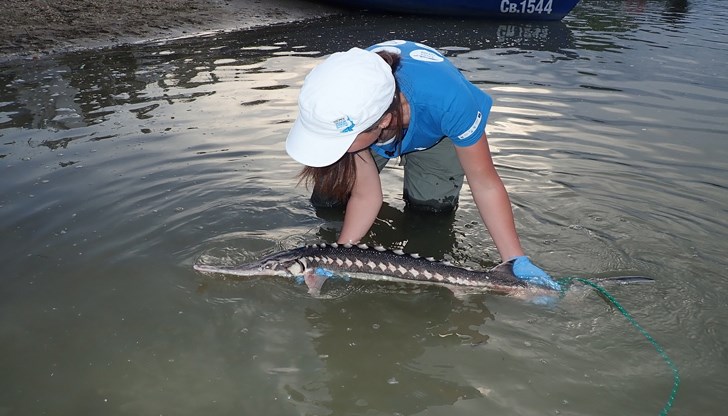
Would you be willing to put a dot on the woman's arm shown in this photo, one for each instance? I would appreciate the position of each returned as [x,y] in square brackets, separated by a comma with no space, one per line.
[365,200]
[490,197]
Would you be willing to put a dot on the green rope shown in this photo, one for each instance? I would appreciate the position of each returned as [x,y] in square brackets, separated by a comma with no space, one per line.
[566,282]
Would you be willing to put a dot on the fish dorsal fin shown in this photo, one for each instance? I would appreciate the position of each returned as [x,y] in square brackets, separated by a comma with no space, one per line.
[380,248]
[363,246]
[415,256]
[398,252]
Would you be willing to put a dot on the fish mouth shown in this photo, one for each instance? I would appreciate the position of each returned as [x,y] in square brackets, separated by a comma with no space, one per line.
[240,271]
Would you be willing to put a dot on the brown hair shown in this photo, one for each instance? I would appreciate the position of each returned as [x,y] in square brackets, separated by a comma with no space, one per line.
[335,182]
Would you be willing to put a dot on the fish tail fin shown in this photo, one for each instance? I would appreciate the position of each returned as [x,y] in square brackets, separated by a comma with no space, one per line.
[624,280]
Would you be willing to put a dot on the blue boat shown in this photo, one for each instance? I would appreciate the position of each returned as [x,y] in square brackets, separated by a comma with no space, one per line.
[495,9]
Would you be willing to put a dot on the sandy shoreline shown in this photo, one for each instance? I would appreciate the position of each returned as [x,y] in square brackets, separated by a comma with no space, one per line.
[37,27]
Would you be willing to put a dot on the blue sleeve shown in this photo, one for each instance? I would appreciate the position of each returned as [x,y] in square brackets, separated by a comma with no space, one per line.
[465,120]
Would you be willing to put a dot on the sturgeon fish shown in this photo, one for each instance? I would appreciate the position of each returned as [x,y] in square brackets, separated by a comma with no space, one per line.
[317,262]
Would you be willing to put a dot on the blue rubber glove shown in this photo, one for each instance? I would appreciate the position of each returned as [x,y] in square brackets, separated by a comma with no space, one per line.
[525,270]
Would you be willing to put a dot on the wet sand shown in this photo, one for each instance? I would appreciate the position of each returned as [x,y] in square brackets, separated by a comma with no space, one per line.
[33,28]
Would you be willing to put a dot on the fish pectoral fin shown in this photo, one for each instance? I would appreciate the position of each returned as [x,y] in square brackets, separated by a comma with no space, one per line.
[314,282]
[463,293]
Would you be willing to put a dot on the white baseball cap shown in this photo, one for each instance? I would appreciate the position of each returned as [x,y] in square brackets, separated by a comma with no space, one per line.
[340,98]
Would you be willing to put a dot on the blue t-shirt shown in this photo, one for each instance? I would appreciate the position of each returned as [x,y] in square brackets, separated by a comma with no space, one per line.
[442,102]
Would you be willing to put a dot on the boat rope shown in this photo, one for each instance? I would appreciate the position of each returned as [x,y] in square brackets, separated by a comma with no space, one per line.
[566,282]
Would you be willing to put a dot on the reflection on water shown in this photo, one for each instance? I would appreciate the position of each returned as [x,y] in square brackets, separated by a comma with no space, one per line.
[122,167]
[127,75]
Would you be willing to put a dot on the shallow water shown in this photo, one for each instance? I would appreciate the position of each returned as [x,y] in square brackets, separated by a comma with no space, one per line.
[122,167]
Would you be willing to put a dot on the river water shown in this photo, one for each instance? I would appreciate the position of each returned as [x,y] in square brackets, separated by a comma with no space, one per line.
[120,168]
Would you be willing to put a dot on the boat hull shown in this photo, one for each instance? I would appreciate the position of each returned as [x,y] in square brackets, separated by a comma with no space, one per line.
[496,9]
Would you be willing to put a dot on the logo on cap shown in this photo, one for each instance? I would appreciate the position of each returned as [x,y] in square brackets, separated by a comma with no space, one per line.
[344,125]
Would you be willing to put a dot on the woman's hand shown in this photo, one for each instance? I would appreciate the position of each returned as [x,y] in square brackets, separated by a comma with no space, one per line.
[525,270]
